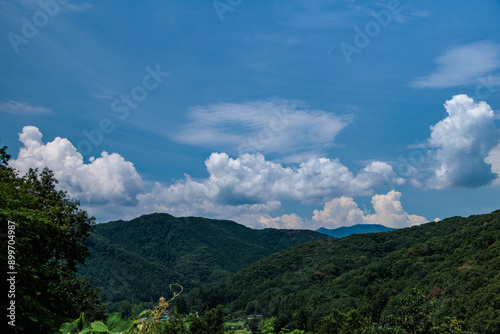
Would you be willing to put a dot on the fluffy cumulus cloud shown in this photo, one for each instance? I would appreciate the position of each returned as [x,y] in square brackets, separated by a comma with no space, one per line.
[251,179]
[287,221]
[192,198]
[388,211]
[463,65]
[248,189]
[341,211]
[461,142]
[271,126]
[108,179]
[494,159]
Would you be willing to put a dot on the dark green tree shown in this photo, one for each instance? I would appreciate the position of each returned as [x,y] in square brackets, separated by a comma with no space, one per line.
[196,326]
[416,314]
[337,322]
[49,239]
[182,307]
[173,325]
[213,320]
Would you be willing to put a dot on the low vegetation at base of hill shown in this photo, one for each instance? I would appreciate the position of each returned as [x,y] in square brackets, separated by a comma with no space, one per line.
[417,314]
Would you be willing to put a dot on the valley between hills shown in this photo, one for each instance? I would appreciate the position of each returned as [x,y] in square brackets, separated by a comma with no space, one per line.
[297,277]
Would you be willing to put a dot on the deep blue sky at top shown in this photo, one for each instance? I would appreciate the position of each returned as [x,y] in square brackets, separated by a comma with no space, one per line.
[231,65]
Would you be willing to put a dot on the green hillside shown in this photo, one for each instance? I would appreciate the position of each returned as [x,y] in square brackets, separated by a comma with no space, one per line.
[456,260]
[141,257]
[123,273]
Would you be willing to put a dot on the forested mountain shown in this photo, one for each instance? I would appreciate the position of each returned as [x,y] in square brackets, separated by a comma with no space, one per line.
[141,257]
[344,231]
[456,260]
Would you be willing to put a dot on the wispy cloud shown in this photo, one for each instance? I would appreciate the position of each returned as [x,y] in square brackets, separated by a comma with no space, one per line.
[403,14]
[271,126]
[462,65]
[22,107]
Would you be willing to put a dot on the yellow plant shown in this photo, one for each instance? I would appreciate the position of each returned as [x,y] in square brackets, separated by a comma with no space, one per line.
[145,324]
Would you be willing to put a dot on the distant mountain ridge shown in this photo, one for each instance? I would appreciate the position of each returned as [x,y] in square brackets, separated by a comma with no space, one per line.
[141,257]
[344,231]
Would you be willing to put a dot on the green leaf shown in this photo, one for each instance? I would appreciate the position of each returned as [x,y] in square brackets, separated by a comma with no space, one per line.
[143,312]
[117,325]
[68,328]
[99,326]
[81,323]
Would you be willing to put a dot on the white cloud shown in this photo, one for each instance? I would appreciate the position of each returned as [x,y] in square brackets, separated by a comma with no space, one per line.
[463,65]
[21,107]
[272,126]
[342,211]
[291,221]
[388,211]
[247,189]
[494,159]
[250,178]
[108,179]
[462,141]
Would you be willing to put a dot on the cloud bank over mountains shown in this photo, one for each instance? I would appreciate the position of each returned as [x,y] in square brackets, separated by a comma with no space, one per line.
[250,189]
[343,211]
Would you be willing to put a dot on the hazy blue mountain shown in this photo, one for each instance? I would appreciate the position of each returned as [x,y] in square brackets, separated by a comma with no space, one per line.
[344,231]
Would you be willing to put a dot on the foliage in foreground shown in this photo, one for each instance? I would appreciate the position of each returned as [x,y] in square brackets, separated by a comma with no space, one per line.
[417,314]
[48,242]
[115,324]
[156,321]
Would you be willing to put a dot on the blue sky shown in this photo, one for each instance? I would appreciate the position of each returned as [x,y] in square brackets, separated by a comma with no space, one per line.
[287,114]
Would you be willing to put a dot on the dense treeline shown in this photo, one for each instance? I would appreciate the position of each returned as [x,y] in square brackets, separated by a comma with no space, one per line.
[457,260]
[135,261]
[43,236]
